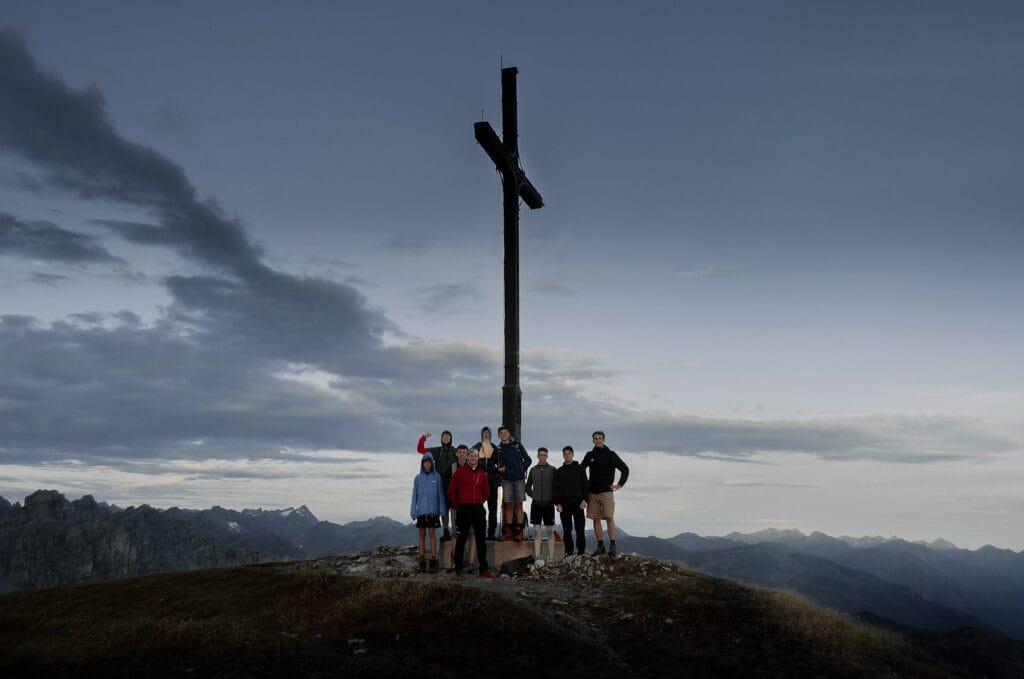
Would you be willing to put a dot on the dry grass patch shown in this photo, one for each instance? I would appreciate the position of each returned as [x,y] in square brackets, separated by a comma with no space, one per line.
[705,626]
[258,622]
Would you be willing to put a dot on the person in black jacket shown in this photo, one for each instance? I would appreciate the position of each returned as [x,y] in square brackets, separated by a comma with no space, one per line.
[570,492]
[602,463]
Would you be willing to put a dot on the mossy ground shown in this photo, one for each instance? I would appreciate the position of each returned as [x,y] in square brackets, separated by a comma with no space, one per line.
[270,621]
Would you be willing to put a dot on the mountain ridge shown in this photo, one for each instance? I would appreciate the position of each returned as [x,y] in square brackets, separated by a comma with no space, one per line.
[895,579]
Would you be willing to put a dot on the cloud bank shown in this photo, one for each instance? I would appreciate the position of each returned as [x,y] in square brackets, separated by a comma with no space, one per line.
[249,360]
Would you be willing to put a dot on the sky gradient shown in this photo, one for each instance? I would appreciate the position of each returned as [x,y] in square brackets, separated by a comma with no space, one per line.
[249,253]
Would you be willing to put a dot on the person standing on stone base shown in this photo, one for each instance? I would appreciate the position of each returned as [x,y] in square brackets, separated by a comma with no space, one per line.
[461,457]
[601,463]
[486,450]
[428,503]
[540,487]
[444,456]
[511,460]
[468,492]
[570,491]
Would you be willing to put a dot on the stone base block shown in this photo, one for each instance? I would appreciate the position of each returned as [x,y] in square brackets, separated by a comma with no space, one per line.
[498,552]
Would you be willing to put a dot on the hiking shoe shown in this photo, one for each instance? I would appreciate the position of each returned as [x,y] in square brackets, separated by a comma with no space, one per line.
[612,551]
[506,535]
[599,551]
[423,565]
[518,537]
[490,537]
[487,575]
[432,567]
[460,577]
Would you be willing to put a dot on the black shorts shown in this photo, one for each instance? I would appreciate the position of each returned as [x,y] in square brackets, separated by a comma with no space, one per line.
[428,521]
[542,514]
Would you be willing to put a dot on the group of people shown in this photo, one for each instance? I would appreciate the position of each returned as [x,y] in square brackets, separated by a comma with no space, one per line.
[455,483]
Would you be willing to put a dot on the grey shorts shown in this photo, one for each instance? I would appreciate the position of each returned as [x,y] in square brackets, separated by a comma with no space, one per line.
[513,491]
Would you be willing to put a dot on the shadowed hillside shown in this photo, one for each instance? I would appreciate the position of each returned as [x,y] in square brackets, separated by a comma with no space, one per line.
[628,617]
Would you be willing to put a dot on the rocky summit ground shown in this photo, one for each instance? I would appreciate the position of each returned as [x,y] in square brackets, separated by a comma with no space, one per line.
[578,594]
[373,614]
[650,617]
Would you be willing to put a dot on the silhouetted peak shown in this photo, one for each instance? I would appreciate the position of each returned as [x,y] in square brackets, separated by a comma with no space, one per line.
[46,504]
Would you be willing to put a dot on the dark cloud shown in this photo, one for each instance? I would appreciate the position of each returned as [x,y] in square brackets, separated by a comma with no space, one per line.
[68,136]
[88,317]
[107,389]
[49,242]
[137,232]
[884,438]
[50,279]
[215,366]
[124,390]
[248,360]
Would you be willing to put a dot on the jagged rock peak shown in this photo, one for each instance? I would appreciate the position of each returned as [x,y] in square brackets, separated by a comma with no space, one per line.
[46,504]
[44,497]
[5,506]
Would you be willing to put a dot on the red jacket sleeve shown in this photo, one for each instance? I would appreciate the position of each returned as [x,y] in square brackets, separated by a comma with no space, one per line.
[453,486]
[421,446]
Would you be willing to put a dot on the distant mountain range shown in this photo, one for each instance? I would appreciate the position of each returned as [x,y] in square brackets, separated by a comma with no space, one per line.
[49,541]
[987,583]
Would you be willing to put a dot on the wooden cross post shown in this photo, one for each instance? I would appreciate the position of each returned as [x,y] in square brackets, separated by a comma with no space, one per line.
[504,153]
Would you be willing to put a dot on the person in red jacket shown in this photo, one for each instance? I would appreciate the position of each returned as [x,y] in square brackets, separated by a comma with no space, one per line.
[468,492]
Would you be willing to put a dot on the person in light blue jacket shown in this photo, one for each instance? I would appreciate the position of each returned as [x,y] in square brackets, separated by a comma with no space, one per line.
[428,504]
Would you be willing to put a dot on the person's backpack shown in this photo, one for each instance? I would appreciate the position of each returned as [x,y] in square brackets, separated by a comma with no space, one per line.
[516,567]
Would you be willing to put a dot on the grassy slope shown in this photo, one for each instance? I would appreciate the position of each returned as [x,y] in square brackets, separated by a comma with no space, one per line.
[258,621]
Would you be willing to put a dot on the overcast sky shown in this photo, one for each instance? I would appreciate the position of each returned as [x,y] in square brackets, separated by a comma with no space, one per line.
[249,252]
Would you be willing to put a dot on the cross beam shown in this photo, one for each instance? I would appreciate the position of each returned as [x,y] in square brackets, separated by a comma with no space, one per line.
[504,153]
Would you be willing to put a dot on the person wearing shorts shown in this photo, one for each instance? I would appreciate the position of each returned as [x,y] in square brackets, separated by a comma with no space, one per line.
[428,504]
[511,461]
[540,487]
[444,456]
[601,463]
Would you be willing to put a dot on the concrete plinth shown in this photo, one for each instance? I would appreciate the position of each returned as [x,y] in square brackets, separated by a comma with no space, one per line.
[499,552]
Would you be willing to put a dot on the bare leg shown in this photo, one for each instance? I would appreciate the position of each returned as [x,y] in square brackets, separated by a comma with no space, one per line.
[611,529]
[598,532]
[423,535]
[433,542]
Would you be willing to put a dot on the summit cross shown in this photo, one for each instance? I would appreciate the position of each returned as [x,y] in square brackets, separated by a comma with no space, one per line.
[504,153]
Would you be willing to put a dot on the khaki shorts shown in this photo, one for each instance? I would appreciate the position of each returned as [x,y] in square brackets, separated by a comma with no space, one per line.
[601,505]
